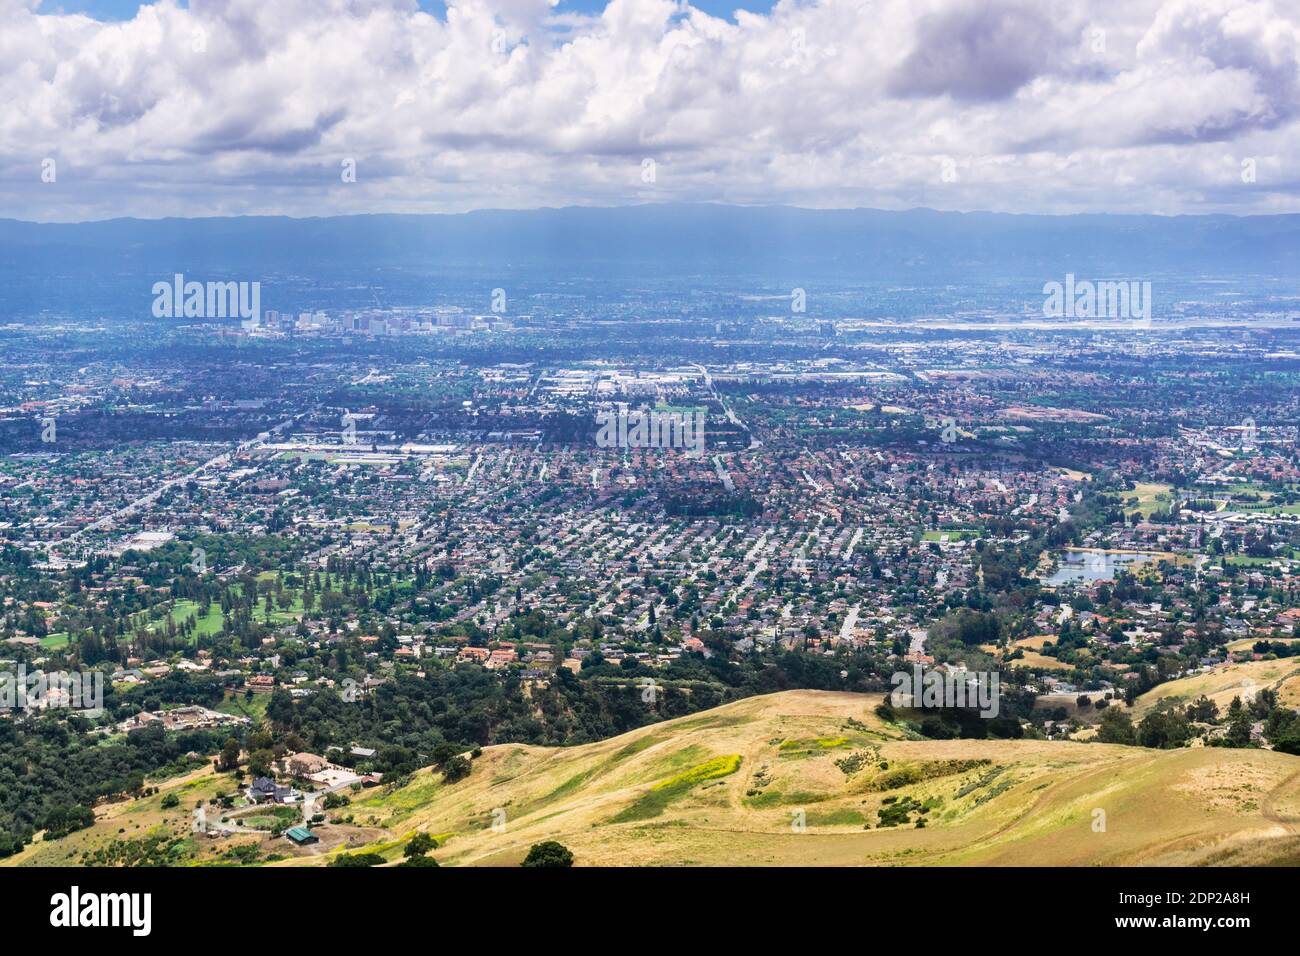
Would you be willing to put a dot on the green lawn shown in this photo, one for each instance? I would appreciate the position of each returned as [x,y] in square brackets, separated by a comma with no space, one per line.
[1150,497]
[1246,561]
[213,621]
[206,626]
[254,709]
[953,534]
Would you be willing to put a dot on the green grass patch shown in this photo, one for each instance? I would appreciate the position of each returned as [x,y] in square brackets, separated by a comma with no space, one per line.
[809,747]
[404,801]
[675,762]
[774,797]
[253,708]
[570,785]
[710,770]
[952,534]
[204,625]
[908,774]
[983,780]
[636,746]
[832,818]
[663,793]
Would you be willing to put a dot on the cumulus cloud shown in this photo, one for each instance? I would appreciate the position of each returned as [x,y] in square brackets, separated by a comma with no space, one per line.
[243,106]
[1244,58]
[981,52]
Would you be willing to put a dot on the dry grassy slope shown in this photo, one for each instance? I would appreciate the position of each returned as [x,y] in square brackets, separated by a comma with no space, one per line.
[129,820]
[1224,683]
[1032,803]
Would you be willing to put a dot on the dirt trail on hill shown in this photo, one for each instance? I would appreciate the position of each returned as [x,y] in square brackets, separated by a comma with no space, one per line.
[1267,810]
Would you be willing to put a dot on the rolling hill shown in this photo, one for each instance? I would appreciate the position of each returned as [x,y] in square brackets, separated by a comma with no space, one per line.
[1226,682]
[632,799]
[859,242]
[795,778]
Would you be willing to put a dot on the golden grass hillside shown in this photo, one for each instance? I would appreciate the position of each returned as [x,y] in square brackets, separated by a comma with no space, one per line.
[1226,682]
[793,779]
[796,778]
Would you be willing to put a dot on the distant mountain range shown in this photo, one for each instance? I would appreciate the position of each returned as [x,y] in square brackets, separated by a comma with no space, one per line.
[862,243]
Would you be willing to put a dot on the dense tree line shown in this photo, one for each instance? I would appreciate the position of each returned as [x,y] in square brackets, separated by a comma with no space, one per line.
[52,773]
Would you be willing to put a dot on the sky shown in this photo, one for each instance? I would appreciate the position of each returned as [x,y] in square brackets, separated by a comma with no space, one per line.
[321,107]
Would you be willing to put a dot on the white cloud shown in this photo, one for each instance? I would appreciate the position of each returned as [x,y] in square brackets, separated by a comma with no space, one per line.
[248,106]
